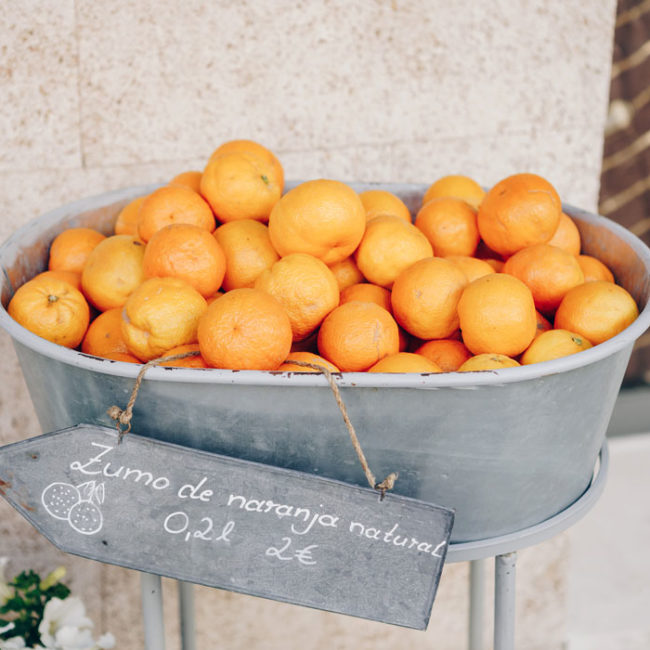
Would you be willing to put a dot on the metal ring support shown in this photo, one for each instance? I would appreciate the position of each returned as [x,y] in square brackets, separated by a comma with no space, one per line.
[483,548]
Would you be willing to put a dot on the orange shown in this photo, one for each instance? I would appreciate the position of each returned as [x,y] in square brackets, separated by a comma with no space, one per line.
[241,186]
[472,267]
[159,315]
[497,315]
[246,329]
[455,186]
[543,324]
[173,204]
[188,362]
[456,336]
[127,219]
[346,273]
[519,211]
[366,292]
[594,269]
[488,361]
[484,252]
[310,344]
[425,298]
[113,271]
[71,277]
[248,249]
[549,272]
[389,246]
[104,335]
[191,180]
[322,218]
[405,362]
[405,339]
[52,309]
[381,202]
[356,335]
[553,345]
[305,287]
[122,356]
[254,148]
[213,297]
[596,310]
[71,248]
[497,265]
[567,236]
[450,225]
[307,357]
[448,354]
[187,252]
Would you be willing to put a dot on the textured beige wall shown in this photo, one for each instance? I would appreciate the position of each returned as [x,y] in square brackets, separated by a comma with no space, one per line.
[96,96]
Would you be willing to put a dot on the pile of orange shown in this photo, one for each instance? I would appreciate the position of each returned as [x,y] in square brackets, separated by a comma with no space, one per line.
[224,265]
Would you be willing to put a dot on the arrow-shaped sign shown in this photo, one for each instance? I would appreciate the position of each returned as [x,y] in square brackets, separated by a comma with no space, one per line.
[223,522]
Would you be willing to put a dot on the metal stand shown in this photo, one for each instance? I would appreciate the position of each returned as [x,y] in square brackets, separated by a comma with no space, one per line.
[152,611]
[503,549]
[476,603]
[504,601]
[186,613]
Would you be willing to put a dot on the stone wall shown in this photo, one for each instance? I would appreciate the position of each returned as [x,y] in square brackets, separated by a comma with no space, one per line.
[97,96]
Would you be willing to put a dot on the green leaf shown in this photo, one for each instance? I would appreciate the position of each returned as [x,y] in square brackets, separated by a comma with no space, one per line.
[58,590]
[13,604]
[27,605]
[26,579]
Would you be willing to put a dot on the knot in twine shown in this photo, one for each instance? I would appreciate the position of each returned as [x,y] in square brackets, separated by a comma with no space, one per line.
[389,482]
[123,417]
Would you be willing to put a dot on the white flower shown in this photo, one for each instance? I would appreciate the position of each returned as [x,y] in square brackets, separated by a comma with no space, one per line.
[74,638]
[5,590]
[106,641]
[15,643]
[60,614]
[65,626]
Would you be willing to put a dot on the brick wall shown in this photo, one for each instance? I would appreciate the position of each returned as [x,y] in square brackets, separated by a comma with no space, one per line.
[625,174]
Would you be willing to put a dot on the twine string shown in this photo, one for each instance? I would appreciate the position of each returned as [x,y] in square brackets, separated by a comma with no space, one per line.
[123,417]
[389,482]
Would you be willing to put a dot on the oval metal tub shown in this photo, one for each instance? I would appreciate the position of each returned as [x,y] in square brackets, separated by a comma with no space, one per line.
[507,449]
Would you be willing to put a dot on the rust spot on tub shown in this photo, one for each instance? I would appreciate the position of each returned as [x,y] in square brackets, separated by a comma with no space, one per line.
[4,486]
[27,507]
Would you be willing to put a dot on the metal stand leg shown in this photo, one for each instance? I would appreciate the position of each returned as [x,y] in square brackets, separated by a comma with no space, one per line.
[152,611]
[504,601]
[186,611]
[476,603]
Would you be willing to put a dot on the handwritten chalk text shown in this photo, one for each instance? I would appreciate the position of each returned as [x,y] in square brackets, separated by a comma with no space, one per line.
[95,466]
[281,510]
[391,537]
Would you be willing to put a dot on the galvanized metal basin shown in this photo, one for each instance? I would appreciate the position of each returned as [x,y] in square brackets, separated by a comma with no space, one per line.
[507,449]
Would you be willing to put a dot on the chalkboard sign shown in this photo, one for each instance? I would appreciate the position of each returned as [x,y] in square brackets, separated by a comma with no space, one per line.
[223,522]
